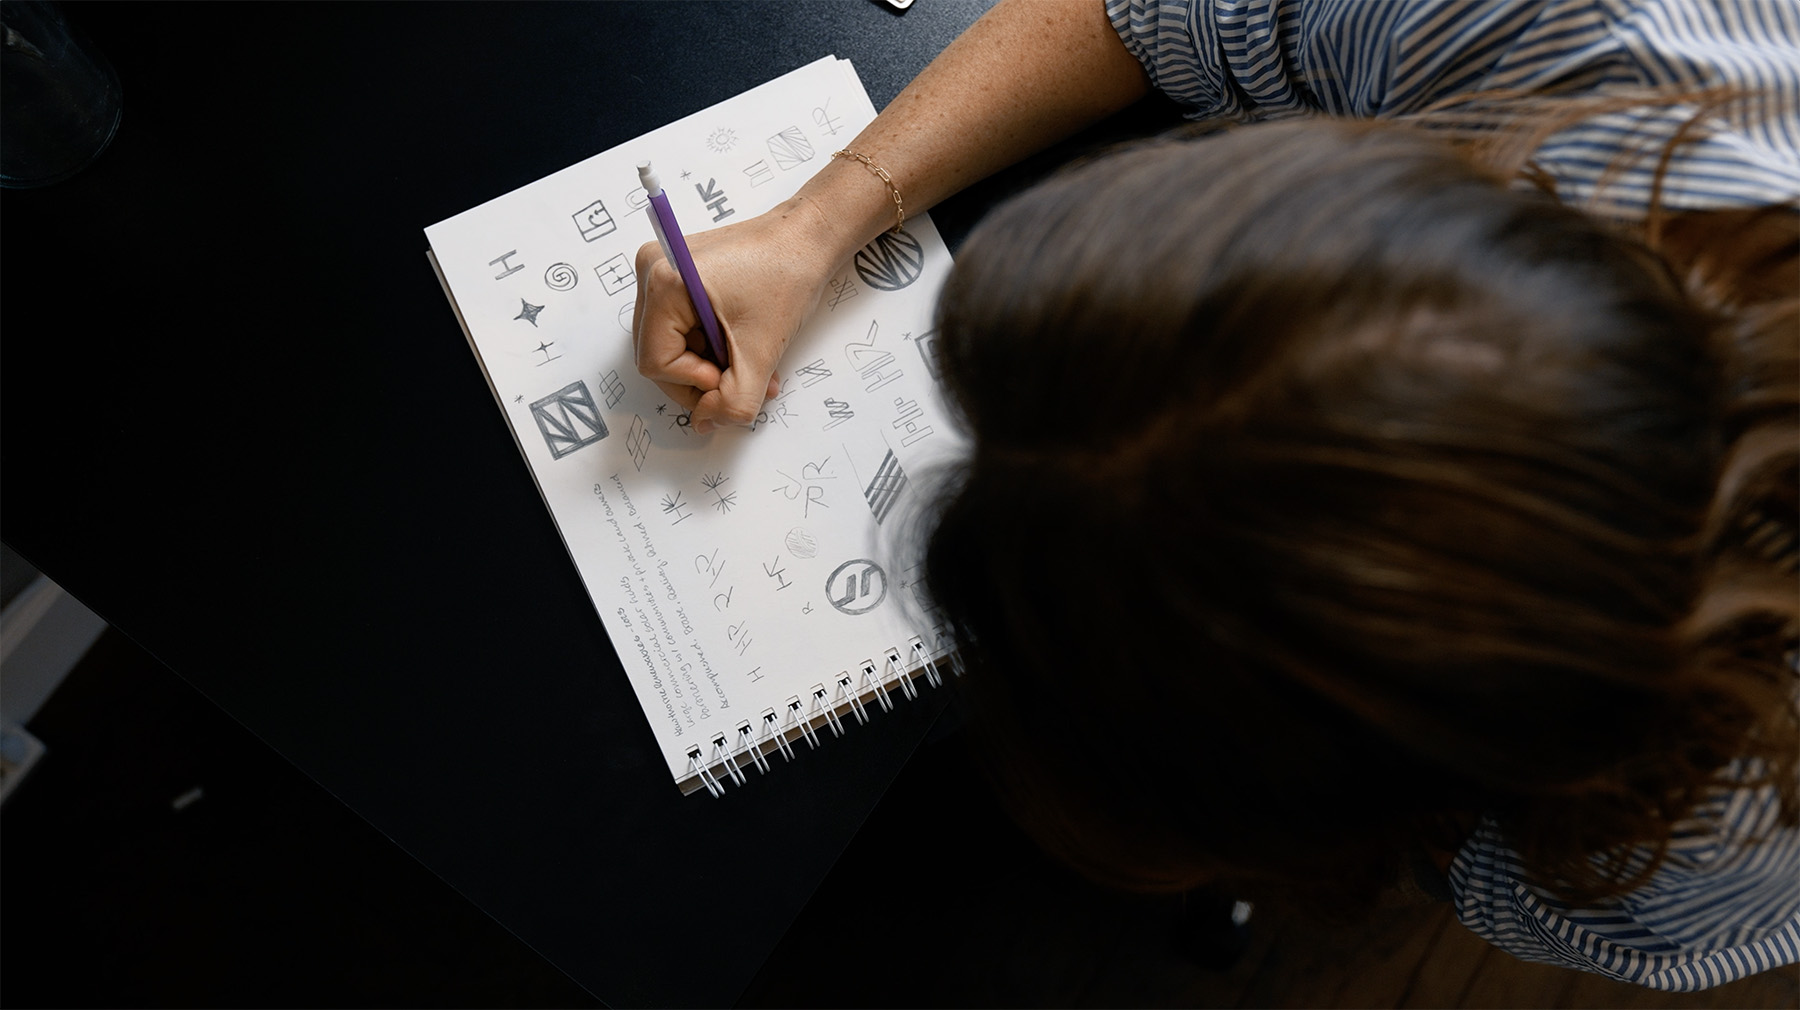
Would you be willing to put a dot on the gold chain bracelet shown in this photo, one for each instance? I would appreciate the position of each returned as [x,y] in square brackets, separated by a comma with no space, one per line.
[881,173]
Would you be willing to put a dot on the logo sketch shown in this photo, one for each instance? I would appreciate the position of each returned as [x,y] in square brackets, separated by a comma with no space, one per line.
[856,587]
[790,148]
[568,419]
[891,262]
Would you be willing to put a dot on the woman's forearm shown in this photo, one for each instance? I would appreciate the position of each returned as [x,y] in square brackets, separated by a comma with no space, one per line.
[1027,74]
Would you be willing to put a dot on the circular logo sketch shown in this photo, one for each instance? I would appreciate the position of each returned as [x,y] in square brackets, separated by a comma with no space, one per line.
[560,277]
[891,262]
[625,312]
[801,543]
[856,587]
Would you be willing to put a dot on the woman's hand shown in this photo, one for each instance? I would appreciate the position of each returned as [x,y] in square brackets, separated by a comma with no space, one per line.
[1027,74]
[764,277]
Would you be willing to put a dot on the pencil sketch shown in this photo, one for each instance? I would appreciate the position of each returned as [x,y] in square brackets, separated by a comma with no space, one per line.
[528,311]
[714,198]
[709,564]
[722,501]
[673,505]
[927,343]
[910,421]
[875,366]
[806,488]
[801,543]
[721,140]
[613,388]
[506,269]
[637,442]
[739,636]
[759,172]
[615,274]
[814,372]
[856,587]
[594,222]
[885,488]
[543,348]
[777,573]
[776,410]
[560,277]
[891,262]
[638,199]
[684,421]
[839,411]
[625,316]
[825,121]
[568,419]
[790,148]
[841,289]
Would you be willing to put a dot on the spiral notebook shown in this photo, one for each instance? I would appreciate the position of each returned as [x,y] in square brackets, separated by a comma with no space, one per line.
[743,576]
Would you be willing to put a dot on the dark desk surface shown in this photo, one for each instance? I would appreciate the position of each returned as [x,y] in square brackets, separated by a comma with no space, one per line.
[241,424]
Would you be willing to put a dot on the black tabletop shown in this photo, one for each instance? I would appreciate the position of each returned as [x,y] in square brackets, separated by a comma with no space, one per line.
[241,424]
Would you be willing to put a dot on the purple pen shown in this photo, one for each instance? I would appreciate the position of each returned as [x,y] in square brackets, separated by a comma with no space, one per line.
[674,247]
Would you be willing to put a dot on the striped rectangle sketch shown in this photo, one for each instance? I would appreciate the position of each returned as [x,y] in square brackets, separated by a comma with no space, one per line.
[568,419]
[790,148]
[885,489]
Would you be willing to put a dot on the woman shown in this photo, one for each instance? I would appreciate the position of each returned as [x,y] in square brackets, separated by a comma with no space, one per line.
[1472,512]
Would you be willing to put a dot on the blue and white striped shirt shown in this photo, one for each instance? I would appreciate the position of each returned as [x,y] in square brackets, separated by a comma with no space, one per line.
[1267,59]
[1726,902]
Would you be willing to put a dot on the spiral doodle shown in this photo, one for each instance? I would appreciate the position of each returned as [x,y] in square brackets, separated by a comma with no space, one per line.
[560,277]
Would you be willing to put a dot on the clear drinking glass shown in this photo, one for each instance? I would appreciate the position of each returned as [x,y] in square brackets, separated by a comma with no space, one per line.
[59,98]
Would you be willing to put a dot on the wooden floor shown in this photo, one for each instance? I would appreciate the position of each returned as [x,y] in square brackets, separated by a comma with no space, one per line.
[114,898]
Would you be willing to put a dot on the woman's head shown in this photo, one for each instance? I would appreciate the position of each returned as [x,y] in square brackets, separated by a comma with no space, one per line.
[1324,485]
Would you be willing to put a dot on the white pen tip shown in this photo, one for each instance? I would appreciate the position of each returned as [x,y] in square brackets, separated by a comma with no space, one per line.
[647,178]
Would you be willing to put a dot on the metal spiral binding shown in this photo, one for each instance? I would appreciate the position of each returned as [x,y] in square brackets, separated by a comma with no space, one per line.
[881,680]
[873,679]
[706,775]
[831,718]
[898,667]
[927,662]
[806,730]
[722,752]
[769,730]
[748,744]
[856,705]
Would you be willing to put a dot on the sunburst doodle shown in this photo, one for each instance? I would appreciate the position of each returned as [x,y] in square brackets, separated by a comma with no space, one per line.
[721,140]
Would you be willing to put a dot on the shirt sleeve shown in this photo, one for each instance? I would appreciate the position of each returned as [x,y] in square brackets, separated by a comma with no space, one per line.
[1265,59]
[1724,904]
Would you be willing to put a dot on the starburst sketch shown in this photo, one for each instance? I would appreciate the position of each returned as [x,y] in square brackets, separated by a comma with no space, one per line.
[721,140]
[723,501]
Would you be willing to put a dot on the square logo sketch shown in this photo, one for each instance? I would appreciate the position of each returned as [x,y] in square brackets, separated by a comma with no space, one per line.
[615,274]
[568,419]
[594,221]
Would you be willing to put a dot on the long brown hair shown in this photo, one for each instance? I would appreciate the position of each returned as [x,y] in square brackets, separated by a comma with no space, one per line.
[1327,490]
